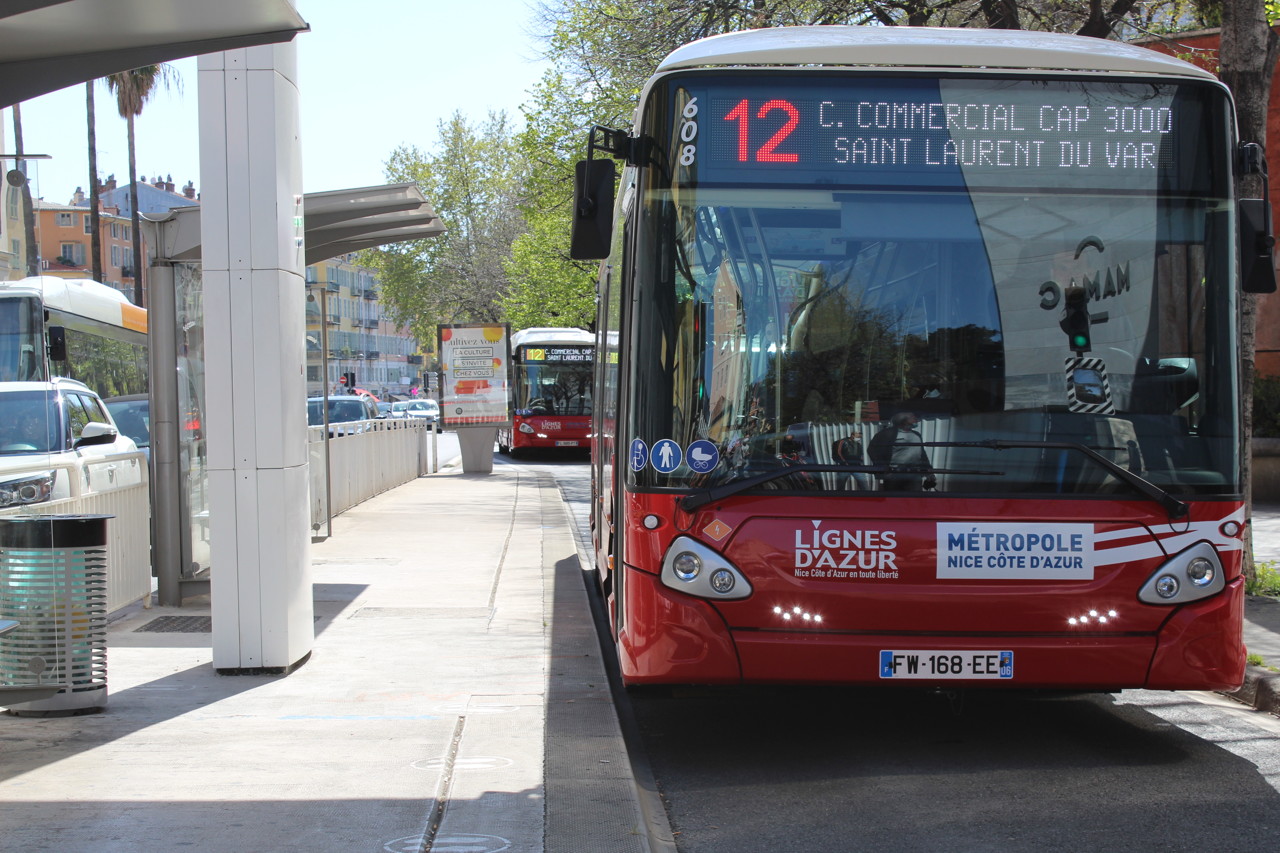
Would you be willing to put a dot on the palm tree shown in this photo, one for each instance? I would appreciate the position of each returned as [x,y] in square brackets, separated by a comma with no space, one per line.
[95,215]
[133,89]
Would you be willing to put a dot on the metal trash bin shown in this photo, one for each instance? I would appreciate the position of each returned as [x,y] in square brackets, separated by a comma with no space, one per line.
[53,583]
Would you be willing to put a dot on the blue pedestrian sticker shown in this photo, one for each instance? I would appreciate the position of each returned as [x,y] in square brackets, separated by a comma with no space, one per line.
[639,454]
[703,456]
[666,456]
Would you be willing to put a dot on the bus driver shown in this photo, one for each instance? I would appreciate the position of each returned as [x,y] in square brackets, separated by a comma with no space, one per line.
[900,448]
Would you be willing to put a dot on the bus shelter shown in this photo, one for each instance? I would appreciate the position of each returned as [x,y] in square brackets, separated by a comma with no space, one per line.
[334,222]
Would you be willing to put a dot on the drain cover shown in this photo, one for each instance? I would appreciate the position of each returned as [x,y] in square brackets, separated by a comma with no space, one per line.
[178,625]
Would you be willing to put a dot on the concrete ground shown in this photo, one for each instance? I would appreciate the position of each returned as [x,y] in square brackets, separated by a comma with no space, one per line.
[455,700]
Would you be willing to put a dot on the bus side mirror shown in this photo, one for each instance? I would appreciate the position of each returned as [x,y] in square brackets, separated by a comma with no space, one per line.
[1257,256]
[592,230]
[57,343]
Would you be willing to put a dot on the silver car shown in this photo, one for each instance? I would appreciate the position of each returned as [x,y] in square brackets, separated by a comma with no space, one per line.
[427,410]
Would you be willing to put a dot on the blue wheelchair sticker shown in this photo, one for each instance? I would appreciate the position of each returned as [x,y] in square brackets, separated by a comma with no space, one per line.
[639,454]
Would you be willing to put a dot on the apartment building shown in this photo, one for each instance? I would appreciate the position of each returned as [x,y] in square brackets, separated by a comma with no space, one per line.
[64,234]
[343,312]
[13,243]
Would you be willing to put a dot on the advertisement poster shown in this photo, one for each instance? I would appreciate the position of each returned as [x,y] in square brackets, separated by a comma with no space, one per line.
[474,362]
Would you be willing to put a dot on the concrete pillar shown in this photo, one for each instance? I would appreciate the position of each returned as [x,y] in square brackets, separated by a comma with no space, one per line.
[255,382]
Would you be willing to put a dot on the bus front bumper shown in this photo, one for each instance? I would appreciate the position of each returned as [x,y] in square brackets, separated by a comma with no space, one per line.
[671,638]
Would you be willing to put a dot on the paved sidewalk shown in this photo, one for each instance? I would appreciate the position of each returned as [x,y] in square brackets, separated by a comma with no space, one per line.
[1262,617]
[455,700]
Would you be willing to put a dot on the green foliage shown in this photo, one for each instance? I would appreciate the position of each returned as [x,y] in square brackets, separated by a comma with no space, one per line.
[602,51]
[474,182]
[1266,407]
[1265,580]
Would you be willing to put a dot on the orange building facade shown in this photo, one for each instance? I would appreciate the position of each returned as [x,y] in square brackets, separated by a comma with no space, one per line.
[63,233]
[1201,48]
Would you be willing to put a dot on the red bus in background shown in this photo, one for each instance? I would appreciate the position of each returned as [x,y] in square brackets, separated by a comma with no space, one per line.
[919,363]
[551,390]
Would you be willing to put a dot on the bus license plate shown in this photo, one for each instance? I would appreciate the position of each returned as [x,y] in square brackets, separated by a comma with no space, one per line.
[939,664]
[566,444]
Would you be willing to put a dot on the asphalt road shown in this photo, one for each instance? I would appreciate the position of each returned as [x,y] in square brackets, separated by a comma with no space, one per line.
[754,770]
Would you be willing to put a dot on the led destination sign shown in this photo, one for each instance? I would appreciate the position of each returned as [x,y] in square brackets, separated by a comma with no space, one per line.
[557,353]
[998,133]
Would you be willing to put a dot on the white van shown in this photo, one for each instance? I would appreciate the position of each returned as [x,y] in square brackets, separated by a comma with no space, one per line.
[57,440]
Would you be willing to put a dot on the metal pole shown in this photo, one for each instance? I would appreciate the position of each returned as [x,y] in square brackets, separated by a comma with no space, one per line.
[324,407]
[166,472]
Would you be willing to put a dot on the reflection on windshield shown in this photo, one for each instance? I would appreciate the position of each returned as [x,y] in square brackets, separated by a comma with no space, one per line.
[554,389]
[30,423]
[803,327]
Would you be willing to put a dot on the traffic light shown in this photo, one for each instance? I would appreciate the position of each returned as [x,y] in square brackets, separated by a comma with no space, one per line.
[1075,319]
[349,379]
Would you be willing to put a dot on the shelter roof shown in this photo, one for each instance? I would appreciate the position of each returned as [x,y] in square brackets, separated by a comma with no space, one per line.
[51,44]
[335,222]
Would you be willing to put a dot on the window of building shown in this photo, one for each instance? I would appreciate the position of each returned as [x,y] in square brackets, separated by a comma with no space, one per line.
[65,220]
[73,252]
[115,256]
[88,224]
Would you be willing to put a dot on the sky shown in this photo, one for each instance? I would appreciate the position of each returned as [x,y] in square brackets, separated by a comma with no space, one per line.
[373,75]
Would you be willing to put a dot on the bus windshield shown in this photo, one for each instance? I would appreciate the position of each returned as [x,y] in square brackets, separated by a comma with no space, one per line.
[936,284]
[22,356]
[553,379]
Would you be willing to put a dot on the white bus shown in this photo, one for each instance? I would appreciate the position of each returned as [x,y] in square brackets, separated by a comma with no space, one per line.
[76,328]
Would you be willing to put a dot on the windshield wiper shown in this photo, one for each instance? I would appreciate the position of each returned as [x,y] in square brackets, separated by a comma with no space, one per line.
[1171,505]
[1174,507]
[716,493]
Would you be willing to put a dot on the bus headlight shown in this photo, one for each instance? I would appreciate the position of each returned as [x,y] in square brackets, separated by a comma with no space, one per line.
[686,565]
[1200,571]
[528,430]
[722,581]
[31,489]
[694,569]
[1193,574]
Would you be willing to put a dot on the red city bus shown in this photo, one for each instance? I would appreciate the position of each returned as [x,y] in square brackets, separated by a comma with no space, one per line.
[552,391]
[919,363]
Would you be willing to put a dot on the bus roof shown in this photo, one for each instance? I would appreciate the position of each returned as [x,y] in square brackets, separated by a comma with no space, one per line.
[526,337]
[926,48]
[82,297]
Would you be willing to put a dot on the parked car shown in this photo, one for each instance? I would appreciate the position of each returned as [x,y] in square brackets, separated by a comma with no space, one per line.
[132,414]
[428,410]
[347,413]
[57,440]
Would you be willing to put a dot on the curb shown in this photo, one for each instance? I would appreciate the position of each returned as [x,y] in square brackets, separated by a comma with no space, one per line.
[1260,690]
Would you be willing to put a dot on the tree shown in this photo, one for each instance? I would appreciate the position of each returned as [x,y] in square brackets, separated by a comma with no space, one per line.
[547,287]
[133,89]
[28,210]
[602,53]
[95,215]
[1247,52]
[474,182]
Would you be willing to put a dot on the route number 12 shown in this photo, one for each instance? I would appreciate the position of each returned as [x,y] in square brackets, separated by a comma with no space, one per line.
[767,153]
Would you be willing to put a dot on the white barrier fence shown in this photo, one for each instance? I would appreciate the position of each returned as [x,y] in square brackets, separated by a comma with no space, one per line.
[383,454]
[128,532]
[366,459]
